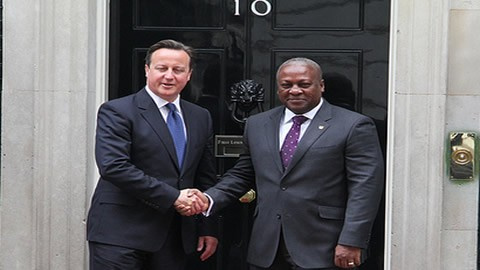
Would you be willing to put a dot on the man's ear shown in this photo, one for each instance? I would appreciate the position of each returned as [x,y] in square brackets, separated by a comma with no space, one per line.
[147,70]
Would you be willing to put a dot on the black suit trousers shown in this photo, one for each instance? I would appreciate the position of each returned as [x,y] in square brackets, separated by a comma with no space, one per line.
[110,257]
[283,261]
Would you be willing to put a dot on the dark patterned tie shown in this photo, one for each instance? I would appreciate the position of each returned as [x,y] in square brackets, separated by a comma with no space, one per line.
[291,140]
[175,125]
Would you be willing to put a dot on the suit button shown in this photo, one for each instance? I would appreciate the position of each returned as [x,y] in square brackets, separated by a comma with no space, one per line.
[284,188]
[279,216]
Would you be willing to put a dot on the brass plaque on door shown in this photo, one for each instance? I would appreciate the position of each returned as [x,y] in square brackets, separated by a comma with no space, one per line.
[228,145]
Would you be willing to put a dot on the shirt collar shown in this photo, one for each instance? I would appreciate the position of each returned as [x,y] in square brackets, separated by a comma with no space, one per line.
[310,114]
[160,102]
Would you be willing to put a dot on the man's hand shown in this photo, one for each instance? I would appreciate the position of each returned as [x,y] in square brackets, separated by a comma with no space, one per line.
[191,202]
[347,257]
[208,244]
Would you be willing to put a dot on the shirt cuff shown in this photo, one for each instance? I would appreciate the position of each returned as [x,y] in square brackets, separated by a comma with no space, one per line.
[210,205]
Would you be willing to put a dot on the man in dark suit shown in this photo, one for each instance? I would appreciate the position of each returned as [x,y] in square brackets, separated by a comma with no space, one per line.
[148,169]
[318,173]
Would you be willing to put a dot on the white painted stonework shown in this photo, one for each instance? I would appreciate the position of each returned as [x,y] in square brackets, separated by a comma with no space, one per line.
[51,90]
[54,78]
[434,89]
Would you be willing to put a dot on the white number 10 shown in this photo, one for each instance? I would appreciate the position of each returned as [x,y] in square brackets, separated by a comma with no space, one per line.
[253,7]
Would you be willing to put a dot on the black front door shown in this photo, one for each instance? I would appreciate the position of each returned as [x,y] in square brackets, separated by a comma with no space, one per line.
[249,39]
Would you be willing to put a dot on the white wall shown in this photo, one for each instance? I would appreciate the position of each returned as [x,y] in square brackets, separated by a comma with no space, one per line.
[52,83]
[460,205]
[434,90]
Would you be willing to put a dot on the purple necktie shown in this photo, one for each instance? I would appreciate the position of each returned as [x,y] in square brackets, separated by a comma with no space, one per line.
[291,141]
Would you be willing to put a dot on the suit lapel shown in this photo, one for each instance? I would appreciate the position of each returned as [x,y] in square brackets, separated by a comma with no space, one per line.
[314,131]
[190,125]
[152,115]
[272,126]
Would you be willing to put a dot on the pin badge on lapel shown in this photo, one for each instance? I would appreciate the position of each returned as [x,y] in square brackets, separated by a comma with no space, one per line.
[321,127]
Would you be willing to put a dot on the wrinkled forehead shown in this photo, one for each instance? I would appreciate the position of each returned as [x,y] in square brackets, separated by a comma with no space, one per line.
[298,69]
[171,57]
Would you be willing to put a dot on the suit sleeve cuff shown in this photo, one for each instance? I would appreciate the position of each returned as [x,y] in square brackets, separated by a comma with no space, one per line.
[210,205]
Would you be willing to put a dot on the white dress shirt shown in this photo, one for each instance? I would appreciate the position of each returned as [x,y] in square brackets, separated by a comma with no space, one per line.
[286,122]
[161,105]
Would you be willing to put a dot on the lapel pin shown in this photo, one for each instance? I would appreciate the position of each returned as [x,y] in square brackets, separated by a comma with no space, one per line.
[321,127]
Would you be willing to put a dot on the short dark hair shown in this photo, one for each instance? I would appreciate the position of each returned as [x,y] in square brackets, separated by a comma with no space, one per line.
[169,44]
[305,61]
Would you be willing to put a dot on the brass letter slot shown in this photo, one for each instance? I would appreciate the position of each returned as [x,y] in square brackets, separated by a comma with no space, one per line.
[462,159]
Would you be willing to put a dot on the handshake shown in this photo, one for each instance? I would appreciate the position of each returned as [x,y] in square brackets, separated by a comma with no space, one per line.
[191,202]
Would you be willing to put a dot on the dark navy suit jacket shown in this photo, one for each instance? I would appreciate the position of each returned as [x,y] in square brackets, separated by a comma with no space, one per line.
[140,178]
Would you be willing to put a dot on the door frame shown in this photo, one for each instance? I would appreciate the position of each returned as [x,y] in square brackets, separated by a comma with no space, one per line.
[101,95]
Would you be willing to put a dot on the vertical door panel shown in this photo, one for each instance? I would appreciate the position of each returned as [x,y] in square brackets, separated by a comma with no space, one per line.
[249,39]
